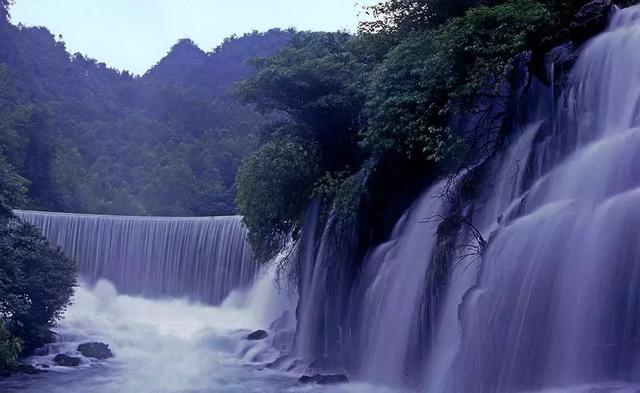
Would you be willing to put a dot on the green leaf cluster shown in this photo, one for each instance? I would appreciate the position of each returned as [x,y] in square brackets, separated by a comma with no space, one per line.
[10,349]
[36,282]
[383,98]
[433,73]
[274,185]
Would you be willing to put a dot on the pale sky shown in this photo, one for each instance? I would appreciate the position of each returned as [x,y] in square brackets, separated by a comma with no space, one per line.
[134,34]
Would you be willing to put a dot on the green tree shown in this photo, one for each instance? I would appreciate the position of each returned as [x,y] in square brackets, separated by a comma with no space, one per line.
[36,282]
[13,188]
[274,187]
[435,74]
[319,82]
[407,16]
[10,349]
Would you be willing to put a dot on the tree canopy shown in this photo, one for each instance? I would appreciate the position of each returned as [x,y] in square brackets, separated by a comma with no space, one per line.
[382,101]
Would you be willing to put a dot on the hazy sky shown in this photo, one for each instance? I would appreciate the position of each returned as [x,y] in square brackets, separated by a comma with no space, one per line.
[135,34]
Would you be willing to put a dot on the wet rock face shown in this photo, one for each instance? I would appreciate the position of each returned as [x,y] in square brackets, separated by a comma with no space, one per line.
[66,360]
[282,322]
[320,379]
[590,20]
[257,335]
[95,350]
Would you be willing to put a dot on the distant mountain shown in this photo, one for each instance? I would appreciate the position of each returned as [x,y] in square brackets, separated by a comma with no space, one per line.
[92,139]
[186,66]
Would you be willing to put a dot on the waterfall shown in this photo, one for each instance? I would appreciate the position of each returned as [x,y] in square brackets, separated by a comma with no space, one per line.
[393,298]
[556,302]
[203,259]
[552,301]
[325,259]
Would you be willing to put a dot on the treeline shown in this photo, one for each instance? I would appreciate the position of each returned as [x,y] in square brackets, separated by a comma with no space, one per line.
[91,139]
[378,115]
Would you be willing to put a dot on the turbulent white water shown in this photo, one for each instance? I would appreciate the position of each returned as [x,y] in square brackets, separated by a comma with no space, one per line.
[203,258]
[169,346]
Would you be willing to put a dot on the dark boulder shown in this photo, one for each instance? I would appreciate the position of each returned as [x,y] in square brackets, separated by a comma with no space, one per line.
[320,379]
[95,350]
[66,360]
[5,374]
[590,20]
[258,335]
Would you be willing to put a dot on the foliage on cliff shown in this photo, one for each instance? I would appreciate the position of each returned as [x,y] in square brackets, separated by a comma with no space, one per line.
[275,183]
[388,97]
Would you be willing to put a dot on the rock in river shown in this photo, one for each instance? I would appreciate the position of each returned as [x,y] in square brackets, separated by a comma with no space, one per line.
[66,360]
[95,350]
[258,335]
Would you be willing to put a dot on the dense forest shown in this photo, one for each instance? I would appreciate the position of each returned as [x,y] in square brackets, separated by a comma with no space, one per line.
[91,139]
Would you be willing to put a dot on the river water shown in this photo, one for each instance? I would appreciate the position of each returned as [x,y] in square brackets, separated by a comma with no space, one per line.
[167,346]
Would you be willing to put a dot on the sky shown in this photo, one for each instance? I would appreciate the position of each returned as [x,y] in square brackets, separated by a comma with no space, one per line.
[134,34]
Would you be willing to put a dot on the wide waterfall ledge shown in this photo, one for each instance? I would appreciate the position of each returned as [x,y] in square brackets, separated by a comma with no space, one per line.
[200,258]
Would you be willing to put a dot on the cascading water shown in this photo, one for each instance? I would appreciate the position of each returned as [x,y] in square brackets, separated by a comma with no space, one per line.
[552,299]
[203,259]
[325,258]
[392,300]
[556,304]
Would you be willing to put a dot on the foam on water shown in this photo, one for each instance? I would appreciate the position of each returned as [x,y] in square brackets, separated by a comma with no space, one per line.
[167,346]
